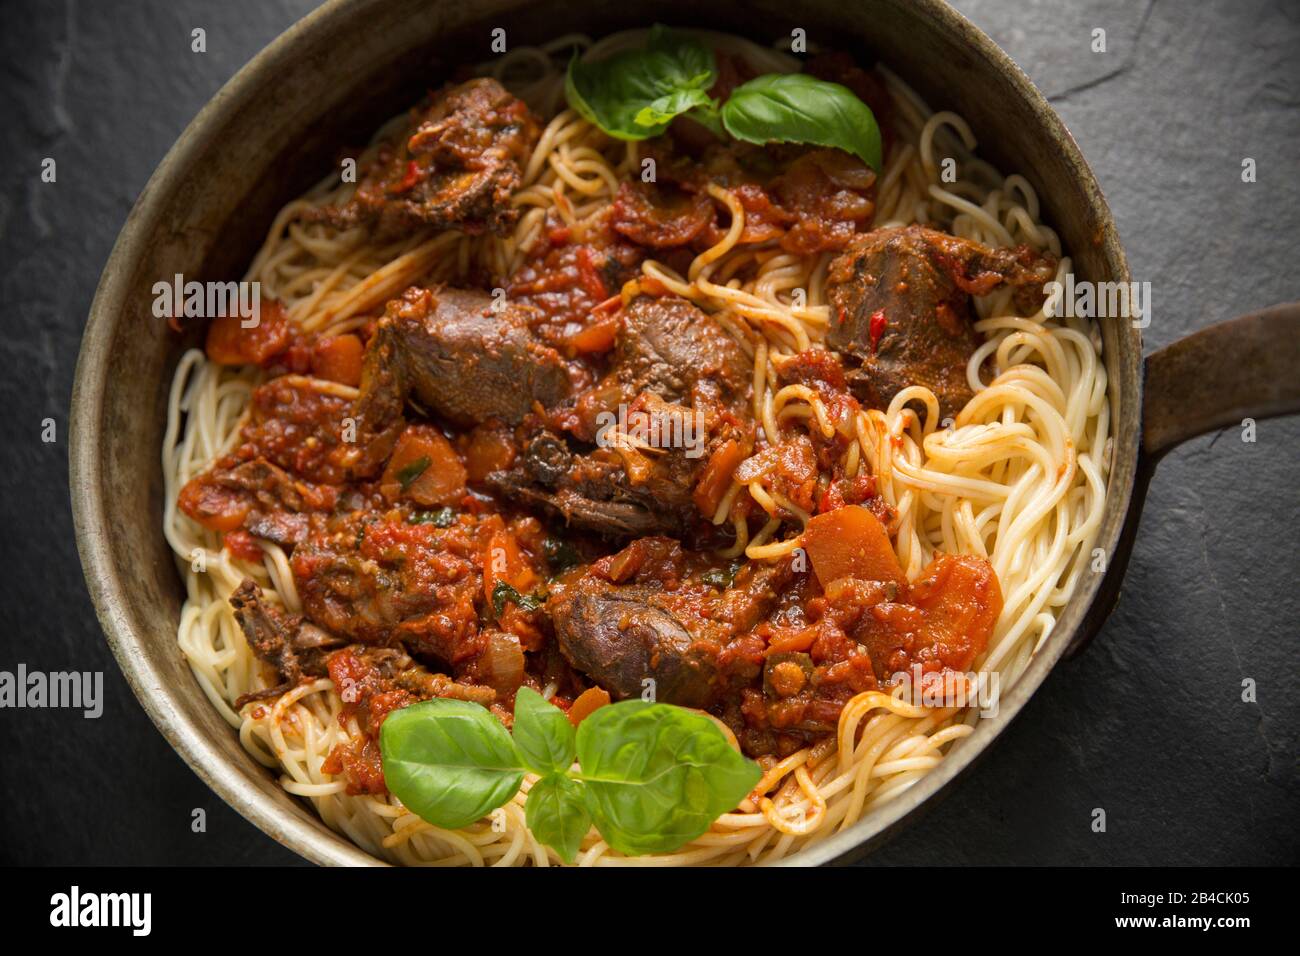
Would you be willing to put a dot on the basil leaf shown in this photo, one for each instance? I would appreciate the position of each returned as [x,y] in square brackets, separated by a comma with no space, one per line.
[658,775]
[667,108]
[504,591]
[797,108]
[450,762]
[556,812]
[543,734]
[408,473]
[560,555]
[441,518]
[635,94]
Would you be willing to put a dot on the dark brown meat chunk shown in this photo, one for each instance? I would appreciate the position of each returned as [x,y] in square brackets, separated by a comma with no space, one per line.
[298,649]
[655,611]
[618,637]
[807,200]
[901,308]
[457,356]
[382,580]
[456,166]
[669,347]
[592,491]
[292,645]
[680,380]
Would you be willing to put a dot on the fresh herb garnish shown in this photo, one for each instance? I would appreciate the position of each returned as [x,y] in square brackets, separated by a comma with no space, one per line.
[408,473]
[442,517]
[504,591]
[560,555]
[650,776]
[658,775]
[543,734]
[798,108]
[556,811]
[636,93]
[449,761]
[722,577]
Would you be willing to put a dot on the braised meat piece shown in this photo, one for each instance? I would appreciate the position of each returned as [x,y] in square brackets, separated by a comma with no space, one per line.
[258,496]
[655,612]
[676,398]
[288,465]
[805,199]
[901,308]
[456,355]
[292,645]
[619,637]
[456,166]
[378,579]
[297,648]
[393,579]
[669,347]
[592,491]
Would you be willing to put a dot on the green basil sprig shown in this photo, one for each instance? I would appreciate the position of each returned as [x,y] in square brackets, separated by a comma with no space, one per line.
[556,811]
[652,777]
[636,93]
[449,761]
[506,592]
[407,474]
[798,108]
[658,775]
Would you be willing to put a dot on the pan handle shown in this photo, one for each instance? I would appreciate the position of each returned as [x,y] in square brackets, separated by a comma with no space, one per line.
[1247,367]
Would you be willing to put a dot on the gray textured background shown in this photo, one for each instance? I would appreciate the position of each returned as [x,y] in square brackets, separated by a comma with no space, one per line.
[1147,724]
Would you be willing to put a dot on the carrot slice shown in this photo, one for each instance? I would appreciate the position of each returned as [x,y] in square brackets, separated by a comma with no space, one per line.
[338,358]
[850,542]
[588,702]
[716,477]
[425,468]
[229,343]
[503,561]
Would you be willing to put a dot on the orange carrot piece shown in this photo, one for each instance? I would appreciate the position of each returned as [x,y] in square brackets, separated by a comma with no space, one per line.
[425,468]
[850,542]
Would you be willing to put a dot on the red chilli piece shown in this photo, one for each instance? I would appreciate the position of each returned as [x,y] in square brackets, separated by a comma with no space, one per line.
[877,328]
[410,179]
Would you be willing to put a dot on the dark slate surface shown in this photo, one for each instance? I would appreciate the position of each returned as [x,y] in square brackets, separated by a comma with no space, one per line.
[1148,724]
